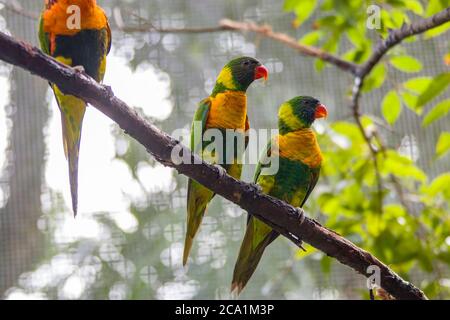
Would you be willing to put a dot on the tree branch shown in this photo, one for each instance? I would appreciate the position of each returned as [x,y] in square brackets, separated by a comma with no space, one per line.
[266,31]
[398,35]
[362,71]
[236,26]
[279,215]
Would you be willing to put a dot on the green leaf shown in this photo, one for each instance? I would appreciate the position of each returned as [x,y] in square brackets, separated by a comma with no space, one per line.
[410,101]
[438,111]
[289,5]
[402,166]
[434,6]
[406,63]
[415,6]
[437,31]
[303,9]
[376,78]
[357,37]
[436,87]
[417,85]
[311,38]
[356,55]
[439,184]
[391,107]
[443,144]
[319,64]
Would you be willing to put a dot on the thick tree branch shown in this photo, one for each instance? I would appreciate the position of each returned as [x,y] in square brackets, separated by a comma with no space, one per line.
[281,216]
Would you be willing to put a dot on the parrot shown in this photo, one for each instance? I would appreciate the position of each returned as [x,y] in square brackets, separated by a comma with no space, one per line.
[300,160]
[225,108]
[75,33]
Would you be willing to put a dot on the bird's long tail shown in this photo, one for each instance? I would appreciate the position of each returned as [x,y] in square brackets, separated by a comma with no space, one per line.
[197,200]
[72,113]
[257,237]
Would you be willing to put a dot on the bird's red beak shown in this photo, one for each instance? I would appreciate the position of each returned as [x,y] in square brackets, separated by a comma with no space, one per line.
[261,72]
[321,111]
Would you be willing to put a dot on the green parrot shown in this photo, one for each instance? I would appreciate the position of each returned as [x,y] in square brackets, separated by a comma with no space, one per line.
[76,33]
[299,165]
[225,108]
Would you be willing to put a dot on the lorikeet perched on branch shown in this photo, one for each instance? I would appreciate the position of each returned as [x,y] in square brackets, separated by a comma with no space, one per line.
[76,33]
[299,166]
[225,108]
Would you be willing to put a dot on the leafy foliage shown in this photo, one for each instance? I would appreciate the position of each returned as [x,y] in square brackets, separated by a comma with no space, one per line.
[411,231]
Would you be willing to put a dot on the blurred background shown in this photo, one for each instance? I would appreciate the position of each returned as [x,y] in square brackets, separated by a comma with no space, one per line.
[127,240]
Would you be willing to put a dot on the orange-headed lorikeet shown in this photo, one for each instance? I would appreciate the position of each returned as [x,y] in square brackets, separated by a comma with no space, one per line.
[299,166]
[76,33]
[225,108]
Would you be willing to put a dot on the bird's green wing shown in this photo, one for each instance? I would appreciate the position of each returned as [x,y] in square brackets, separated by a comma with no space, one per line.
[200,116]
[314,178]
[109,40]
[44,41]
[262,159]
[247,132]
[198,196]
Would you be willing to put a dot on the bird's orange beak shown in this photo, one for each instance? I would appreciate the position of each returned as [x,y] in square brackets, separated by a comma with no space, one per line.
[261,72]
[321,111]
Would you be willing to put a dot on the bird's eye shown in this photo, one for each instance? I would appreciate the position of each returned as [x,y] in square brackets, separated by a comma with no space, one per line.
[246,63]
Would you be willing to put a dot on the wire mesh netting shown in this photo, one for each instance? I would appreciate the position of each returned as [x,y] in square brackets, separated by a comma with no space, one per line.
[127,241]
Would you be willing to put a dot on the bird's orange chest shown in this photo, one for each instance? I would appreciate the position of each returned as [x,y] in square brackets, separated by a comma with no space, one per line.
[228,110]
[300,146]
[59,19]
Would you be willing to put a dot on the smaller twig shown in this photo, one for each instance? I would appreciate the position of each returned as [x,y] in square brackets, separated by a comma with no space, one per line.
[236,26]
[356,93]
[394,38]
[398,35]
[266,31]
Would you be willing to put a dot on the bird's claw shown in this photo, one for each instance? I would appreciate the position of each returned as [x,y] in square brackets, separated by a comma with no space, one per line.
[220,170]
[79,69]
[298,241]
[257,187]
[109,89]
[301,214]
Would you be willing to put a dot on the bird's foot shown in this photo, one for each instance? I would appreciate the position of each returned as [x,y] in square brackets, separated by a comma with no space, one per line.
[298,241]
[301,214]
[257,187]
[220,170]
[109,89]
[79,69]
